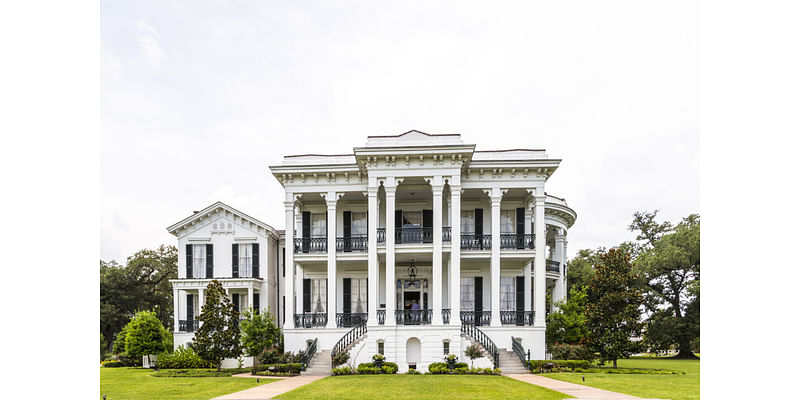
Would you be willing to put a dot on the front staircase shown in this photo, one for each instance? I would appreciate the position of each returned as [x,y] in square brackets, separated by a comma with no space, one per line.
[510,362]
[320,364]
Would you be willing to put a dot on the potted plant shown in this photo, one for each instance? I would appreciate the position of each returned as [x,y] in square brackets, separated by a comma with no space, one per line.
[451,360]
[378,359]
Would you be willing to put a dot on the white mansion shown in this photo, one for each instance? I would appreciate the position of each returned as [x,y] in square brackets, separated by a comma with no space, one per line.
[412,246]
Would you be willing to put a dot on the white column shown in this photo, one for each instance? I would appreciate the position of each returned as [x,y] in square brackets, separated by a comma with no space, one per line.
[558,291]
[437,185]
[201,299]
[496,197]
[455,250]
[331,199]
[391,292]
[564,268]
[250,298]
[539,262]
[372,251]
[526,273]
[299,288]
[288,285]
[175,308]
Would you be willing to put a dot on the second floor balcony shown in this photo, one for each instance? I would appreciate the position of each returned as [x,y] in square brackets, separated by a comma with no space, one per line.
[311,245]
[553,266]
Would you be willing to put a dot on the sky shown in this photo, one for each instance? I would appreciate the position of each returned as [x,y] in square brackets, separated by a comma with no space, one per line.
[198,98]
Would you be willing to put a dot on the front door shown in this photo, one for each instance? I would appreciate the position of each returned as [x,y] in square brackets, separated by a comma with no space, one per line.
[409,299]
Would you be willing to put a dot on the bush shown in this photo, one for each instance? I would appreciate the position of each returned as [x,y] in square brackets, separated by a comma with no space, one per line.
[563,351]
[340,358]
[537,365]
[111,364]
[190,373]
[145,335]
[272,369]
[413,372]
[273,355]
[442,366]
[371,369]
[343,371]
[181,358]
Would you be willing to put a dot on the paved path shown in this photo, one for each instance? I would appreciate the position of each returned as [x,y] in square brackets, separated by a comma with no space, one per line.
[270,390]
[573,389]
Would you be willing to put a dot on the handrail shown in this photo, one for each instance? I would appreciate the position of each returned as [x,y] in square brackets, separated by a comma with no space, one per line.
[311,245]
[348,339]
[553,266]
[351,244]
[516,345]
[312,349]
[519,241]
[484,340]
[347,320]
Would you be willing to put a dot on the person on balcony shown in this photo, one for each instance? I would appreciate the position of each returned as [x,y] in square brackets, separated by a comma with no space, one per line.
[415,312]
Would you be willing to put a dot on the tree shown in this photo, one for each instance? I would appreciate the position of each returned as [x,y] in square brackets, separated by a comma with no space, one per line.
[668,263]
[473,351]
[218,337]
[613,307]
[145,335]
[568,324]
[103,346]
[259,333]
[579,269]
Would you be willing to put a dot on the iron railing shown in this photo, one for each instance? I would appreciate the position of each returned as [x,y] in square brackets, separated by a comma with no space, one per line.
[484,340]
[309,354]
[350,244]
[476,242]
[553,266]
[348,339]
[188,325]
[310,320]
[519,318]
[446,315]
[519,241]
[311,245]
[381,235]
[347,320]
[447,233]
[478,318]
[524,357]
[413,235]
[381,317]
[413,317]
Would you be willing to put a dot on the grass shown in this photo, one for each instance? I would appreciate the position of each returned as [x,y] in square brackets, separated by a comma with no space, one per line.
[674,387]
[137,383]
[389,387]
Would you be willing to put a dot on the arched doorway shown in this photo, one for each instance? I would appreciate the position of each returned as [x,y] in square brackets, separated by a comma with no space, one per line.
[413,352]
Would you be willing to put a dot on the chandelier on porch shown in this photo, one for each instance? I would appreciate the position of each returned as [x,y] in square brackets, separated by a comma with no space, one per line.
[412,270]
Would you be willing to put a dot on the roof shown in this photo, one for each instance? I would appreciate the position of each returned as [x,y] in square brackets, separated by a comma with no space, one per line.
[173,229]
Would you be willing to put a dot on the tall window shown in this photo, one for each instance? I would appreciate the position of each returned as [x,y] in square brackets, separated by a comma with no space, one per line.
[507,219]
[468,222]
[467,293]
[359,224]
[319,295]
[508,293]
[245,260]
[358,295]
[318,225]
[199,260]
[412,219]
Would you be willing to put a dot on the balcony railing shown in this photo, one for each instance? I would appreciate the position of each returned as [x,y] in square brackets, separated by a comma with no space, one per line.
[553,266]
[311,245]
[476,242]
[351,244]
[519,241]
[519,318]
[310,320]
[446,234]
[349,320]
[413,317]
[413,235]
[446,315]
[188,325]
[476,318]
[381,317]
[381,235]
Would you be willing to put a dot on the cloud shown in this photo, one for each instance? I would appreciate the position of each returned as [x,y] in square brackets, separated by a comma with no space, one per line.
[147,37]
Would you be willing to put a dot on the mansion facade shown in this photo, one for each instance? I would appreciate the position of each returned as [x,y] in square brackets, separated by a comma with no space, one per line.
[413,246]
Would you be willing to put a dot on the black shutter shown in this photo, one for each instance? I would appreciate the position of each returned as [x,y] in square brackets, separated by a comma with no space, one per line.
[398,225]
[190,307]
[209,261]
[478,296]
[479,227]
[306,231]
[346,285]
[255,261]
[283,254]
[235,301]
[427,226]
[346,229]
[306,295]
[520,228]
[235,260]
[188,261]
[256,303]
[520,300]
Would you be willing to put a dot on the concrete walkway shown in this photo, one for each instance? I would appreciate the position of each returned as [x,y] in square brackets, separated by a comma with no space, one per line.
[573,389]
[270,390]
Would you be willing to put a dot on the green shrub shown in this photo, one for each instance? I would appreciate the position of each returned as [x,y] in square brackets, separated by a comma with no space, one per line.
[145,335]
[340,358]
[537,365]
[370,368]
[190,373]
[343,371]
[287,368]
[564,351]
[389,369]
[181,358]
[111,364]
[413,372]
[442,368]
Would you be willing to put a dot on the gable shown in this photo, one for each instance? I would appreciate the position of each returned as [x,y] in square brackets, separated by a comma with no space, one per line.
[220,219]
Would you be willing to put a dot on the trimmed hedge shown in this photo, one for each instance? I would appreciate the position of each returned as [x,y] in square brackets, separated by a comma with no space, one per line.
[112,364]
[371,369]
[442,368]
[537,365]
[190,373]
[181,358]
[343,371]
[278,369]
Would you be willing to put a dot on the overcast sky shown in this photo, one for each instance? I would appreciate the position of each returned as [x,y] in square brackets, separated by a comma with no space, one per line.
[199,98]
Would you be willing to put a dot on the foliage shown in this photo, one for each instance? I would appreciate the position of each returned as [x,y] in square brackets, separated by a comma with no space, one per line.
[181,358]
[371,368]
[460,369]
[145,335]
[218,337]
[193,373]
[538,365]
[612,310]
[103,346]
[142,284]
[259,332]
[111,364]
[343,371]
[137,383]
[340,358]
[473,351]
[413,372]
[443,365]
[568,324]
[668,261]
[378,359]
[290,368]
[580,269]
[273,355]
[119,341]
[564,351]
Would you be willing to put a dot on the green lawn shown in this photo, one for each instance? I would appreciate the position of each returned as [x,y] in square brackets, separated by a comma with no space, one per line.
[136,383]
[386,387]
[674,387]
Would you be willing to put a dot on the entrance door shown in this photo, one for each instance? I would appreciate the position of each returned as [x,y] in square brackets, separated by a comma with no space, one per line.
[409,317]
